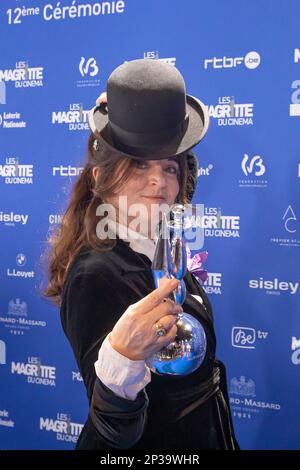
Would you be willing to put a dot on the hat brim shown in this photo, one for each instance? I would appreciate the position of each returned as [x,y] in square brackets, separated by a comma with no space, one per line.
[197,127]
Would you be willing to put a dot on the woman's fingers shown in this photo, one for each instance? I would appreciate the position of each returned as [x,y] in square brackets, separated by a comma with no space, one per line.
[167,322]
[101,99]
[152,300]
[167,308]
[163,341]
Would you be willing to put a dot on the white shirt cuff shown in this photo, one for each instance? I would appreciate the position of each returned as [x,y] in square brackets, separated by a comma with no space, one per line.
[120,374]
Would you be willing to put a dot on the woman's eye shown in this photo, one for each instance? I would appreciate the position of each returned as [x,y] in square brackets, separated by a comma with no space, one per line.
[143,165]
[140,164]
[173,170]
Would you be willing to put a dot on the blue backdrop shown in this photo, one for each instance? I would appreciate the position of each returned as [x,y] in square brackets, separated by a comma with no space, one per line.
[242,59]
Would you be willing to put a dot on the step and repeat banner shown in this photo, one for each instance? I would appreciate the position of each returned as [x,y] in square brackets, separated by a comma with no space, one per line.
[242,59]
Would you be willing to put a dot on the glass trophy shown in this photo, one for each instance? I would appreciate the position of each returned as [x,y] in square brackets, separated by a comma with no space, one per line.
[186,353]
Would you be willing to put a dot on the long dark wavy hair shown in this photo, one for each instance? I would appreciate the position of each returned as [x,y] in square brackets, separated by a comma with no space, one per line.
[78,227]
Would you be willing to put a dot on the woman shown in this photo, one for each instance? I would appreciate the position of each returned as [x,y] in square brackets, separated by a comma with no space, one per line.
[111,312]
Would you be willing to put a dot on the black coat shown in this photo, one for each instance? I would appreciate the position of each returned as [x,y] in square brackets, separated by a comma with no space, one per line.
[173,412]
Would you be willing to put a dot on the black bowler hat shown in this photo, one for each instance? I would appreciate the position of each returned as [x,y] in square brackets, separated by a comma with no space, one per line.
[148,113]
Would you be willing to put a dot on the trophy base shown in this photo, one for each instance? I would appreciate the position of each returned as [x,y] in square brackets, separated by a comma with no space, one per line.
[186,353]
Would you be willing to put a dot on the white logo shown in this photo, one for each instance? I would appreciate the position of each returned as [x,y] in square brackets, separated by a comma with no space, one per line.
[296,351]
[242,387]
[7,422]
[35,371]
[76,117]
[11,218]
[17,308]
[2,352]
[251,61]
[17,317]
[256,161]
[66,170]
[243,403]
[217,224]
[230,113]
[55,219]
[77,376]
[296,55]
[205,171]
[289,219]
[62,426]
[90,68]
[274,286]
[213,283]
[155,56]
[15,173]
[212,221]
[12,121]
[23,76]
[243,337]
[21,259]
[295,98]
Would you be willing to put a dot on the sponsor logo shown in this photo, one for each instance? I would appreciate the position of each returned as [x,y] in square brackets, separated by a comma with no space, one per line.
[55,219]
[244,404]
[245,337]
[17,318]
[212,221]
[13,172]
[88,67]
[250,60]
[75,117]
[23,76]
[62,426]
[216,224]
[66,170]
[289,219]
[253,167]
[10,120]
[89,70]
[295,346]
[155,56]
[274,286]
[290,224]
[229,113]
[21,260]
[242,387]
[205,171]
[5,419]
[11,219]
[76,377]
[213,283]
[35,372]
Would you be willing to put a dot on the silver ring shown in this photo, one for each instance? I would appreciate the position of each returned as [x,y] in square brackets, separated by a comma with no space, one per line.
[160,329]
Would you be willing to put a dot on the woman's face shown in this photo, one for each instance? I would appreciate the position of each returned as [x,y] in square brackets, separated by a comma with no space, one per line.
[153,186]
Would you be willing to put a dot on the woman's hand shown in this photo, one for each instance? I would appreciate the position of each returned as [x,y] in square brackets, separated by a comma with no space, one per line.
[101,99]
[134,335]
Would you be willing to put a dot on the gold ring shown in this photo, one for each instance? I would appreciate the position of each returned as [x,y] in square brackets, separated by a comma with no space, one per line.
[160,329]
